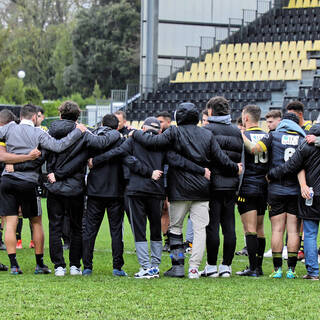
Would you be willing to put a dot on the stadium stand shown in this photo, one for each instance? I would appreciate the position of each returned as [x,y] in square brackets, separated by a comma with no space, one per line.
[269,62]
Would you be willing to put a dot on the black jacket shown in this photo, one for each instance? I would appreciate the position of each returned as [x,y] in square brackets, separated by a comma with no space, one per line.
[306,157]
[142,163]
[230,141]
[75,156]
[195,144]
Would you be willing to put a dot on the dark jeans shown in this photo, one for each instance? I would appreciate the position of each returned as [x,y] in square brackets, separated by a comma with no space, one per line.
[57,207]
[140,209]
[96,207]
[221,213]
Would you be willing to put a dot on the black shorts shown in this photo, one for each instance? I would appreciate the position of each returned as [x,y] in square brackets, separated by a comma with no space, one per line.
[246,204]
[16,192]
[282,204]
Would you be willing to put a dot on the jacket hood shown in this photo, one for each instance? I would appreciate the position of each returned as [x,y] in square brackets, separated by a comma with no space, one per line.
[101,130]
[61,128]
[315,129]
[187,113]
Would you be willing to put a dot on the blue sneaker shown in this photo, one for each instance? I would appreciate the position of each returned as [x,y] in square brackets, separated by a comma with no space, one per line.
[156,272]
[276,274]
[291,274]
[87,272]
[119,273]
[16,271]
[42,270]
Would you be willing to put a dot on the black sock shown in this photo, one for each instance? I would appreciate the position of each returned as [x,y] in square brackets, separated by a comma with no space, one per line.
[19,228]
[260,251]
[13,260]
[277,259]
[1,230]
[39,259]
[292,260]
[252,247]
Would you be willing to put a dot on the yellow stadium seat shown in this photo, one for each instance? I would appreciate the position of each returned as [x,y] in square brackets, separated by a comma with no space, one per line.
[264,75]
[303,55]
[231,66]
[307,3]
[216,66]
[279,65]
[208,68]
[254,56]
[247,66]
[223,48]
[217,76]
[230,56]
[237,48]
[284,46]
[293,55]
[246,57]
[261,56]
[308,45]
[216,57]
[194,67]
[297,75]
[230,48]
[312,64]
[288,75]
[245,47]
[287,65]
[255,66]
[285,55]
[273,75]
[239,66]
[186,76]
[304,65]
[241,76]
[276,46]
[299,4]
[201,67]
[260,47]
[316,45]
[268,46]
[238,57]
[314,3]
[256,75]
[208,58]
[300,45]
[201,77]
[296,65]
[248,75]
[292,4]
[210,76]
[224,76]
[223,57]
[277,55]
[232,76]
[280,75]
[263,65]
[272,65]
[223,66]
[193,77]
[253,47]
[270,55]
[292,46]
[179,77]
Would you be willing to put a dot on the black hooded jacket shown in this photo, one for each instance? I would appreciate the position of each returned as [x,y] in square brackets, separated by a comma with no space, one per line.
[195,144]
[306,157]
[230,141]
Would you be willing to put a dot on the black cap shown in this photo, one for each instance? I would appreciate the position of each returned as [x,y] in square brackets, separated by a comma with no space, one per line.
[291,116]
[152,122]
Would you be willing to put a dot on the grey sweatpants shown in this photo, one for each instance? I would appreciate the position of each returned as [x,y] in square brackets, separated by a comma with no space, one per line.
[199,215]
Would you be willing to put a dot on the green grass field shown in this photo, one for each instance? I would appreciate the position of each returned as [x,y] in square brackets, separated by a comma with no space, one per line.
[103,296]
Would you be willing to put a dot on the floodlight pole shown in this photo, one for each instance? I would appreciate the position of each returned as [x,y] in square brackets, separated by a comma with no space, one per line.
[151,78]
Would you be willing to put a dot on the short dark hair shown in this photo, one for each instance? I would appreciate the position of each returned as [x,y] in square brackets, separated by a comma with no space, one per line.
[28,111]
[111,121]
[254,111]
[164,114]
[274,114]
[205,112]
[219,106]
[295,106]
[122,113]
[7,116]
[40,109]
[69,110]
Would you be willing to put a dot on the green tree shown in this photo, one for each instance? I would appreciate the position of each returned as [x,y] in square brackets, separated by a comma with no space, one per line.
[106,48]
[33,95]
[96,91]
[13,90]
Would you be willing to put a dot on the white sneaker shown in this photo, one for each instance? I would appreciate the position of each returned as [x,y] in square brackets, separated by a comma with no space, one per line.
[74,271]
[193,273]
[209,271]
[268,254]
[60,272]
[144,274]
[285,253]
[225,271]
